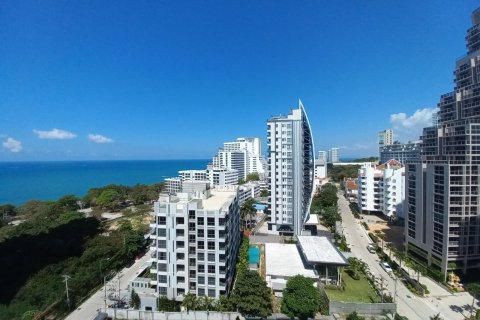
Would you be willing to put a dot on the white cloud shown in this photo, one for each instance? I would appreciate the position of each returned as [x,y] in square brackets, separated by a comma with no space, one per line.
[12,145]
[412,126]
[98,138]
[54,134]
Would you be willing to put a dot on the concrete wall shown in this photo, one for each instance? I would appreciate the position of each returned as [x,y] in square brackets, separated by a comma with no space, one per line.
[361,308]
[157,315]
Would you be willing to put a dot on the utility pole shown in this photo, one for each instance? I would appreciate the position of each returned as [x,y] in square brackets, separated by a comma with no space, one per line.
[66,277]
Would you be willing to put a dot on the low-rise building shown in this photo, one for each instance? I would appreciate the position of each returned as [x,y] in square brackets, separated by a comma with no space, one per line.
[351,189]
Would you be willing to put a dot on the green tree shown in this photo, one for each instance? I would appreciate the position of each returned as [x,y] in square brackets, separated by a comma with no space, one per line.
[300,298]
[253,176]
[225,304]
[264,193]
[109,199]
[68,202]
[247,210]
[355,316]
[251,295]
[190,302]
[436,317]
[168,305]
[134,300]
[205,303]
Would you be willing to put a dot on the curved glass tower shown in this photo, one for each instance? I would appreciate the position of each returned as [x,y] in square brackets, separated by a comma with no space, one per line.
[291,171]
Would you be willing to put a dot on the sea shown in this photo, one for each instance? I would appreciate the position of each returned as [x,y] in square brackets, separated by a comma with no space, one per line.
[50,180]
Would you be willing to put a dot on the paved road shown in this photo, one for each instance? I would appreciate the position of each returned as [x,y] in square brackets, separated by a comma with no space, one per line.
[88,309]
[408,304]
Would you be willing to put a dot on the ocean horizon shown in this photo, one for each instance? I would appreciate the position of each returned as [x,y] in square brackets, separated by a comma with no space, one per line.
[50,180]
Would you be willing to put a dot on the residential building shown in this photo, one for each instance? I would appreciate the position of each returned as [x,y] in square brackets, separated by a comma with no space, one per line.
[173,185]
[223,176]
[248,190]
[320,173]
[195,242]
[443,189]
[351,189]
[243,155]
[322,156]
[385,138]
[333,155]
[402,152]
[381,188]
[193,175]
[291,171]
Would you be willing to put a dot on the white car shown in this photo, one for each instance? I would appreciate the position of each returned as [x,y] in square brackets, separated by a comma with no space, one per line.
[386,267]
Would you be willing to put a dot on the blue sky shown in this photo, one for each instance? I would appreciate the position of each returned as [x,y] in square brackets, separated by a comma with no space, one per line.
[174,79]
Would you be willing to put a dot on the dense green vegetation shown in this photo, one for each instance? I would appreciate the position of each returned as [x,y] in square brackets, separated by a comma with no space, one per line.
[242,260]
[56,240]
[324,203]
[338,173]
[251,296]
[254,176]
[300,298]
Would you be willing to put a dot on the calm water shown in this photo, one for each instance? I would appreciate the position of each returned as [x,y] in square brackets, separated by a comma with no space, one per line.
[22,181]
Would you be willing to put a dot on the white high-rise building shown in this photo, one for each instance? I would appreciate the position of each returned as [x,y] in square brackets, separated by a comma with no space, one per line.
[322,156]
[195,242]
[382,188]
[291,167]
[385,138]
[243,155]
[333,155]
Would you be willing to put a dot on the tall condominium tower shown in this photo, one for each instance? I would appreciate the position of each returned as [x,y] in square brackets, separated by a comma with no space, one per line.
[443,189]
[385,138]
[291,167]
[333,155]
[196,239]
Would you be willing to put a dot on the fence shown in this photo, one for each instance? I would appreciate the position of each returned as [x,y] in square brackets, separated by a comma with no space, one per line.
[157,315]
[369,309]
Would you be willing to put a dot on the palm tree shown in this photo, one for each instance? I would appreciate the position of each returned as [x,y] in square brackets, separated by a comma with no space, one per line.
[436,317]
[190,301]
[401,256]
[248,210]
[391,249]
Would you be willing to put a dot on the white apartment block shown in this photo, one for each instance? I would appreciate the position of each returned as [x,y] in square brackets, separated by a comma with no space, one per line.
[382,188]
[173,185]
[322,156]
[223,176]
[193,175]
[333,155]
[247,191]
[291,171]
[243,155]
[195,243]
[385,138]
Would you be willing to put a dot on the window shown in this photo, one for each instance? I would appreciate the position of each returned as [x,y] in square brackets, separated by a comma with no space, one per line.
[211,245]
[201,292]
[201,280]
[200,245]
[201,268]
[200,221]
[210,233]
[162,255]
[211,221]
[191,238]
[200,233]
[162,244]
[211,292]
[211,269]
[162,221]
[191,214]
[162,267]
[211,281]
[180,268]
[162,232]
[162,279]
[211,257]
[201,256]
[162,291]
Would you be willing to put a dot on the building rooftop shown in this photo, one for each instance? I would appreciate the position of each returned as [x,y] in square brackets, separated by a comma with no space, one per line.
[319,250]
[284,260]
[219,199]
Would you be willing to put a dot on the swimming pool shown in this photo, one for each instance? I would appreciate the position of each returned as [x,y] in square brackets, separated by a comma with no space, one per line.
[254,254]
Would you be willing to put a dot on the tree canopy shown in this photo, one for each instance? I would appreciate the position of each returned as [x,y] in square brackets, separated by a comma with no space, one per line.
[300,298]
[251,295]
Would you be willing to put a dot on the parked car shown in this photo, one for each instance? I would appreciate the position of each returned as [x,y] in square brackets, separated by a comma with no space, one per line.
[386,267]
[371,248]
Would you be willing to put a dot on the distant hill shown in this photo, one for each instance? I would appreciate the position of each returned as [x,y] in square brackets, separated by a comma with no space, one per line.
[369,159]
